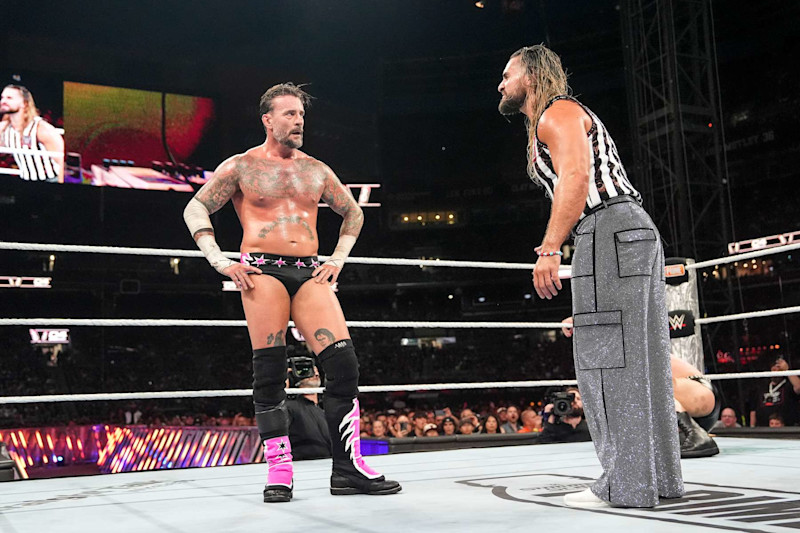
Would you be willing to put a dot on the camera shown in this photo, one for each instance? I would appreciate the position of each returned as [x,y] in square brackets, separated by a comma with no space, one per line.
[562,403]
[300,368]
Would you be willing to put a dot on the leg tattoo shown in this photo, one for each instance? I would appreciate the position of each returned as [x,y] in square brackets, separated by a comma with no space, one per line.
[324,337]
[276,339]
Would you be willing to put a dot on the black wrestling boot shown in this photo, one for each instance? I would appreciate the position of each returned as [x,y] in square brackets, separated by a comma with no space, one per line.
[351,475]
[695,441]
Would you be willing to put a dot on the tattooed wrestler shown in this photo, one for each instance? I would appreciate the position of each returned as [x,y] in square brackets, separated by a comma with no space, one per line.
[275,189]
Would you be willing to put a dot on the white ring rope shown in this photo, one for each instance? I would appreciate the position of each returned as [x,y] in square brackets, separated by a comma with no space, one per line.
[173,322]
[744,256]
[136,322]
[564,271]
[166,252]
[750,314]
[113,396]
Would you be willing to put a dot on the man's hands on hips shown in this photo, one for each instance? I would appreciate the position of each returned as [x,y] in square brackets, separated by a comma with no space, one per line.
[240,274]
[327,272]
[545,275]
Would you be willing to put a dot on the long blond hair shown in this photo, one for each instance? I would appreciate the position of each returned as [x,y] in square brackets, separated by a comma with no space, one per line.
[31,111]
[543,67]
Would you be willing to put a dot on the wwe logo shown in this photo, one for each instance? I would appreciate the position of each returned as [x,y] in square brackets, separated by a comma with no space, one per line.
[677,322]
[340,344]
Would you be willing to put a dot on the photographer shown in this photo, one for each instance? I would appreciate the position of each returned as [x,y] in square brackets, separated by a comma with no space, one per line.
[563,419]
[308,431]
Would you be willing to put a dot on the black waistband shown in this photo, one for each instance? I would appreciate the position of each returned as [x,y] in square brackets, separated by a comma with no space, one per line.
[288,258]
[611,201]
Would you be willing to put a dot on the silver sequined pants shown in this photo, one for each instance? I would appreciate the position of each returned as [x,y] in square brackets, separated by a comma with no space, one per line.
[621,347]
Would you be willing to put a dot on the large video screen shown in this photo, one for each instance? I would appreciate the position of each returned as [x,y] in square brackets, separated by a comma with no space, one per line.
[120,133]
[113,136]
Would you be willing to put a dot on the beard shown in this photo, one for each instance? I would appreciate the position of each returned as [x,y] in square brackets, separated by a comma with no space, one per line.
[511,104]
[289,141]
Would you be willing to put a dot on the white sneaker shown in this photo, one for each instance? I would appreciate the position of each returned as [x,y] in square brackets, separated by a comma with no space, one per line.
[584,499]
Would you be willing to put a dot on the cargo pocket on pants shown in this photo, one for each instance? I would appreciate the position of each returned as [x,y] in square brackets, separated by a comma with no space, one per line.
[599,340]
[635,252]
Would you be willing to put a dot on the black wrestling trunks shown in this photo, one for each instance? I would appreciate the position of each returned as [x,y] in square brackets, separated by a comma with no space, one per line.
[291,271]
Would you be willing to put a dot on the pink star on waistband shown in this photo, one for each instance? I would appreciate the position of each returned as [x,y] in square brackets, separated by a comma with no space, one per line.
[245,258]
[260,260]
[299,263]
[279,262]
[315,264]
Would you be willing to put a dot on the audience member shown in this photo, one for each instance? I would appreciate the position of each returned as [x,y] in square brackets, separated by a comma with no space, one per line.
[781,397]
[379,429]
[512,424]
[448,426]
[727,420]
[491,426]
[531,421]
[466,427]
[431,430]
[776,421]
[502,415]
[470,415]
[401,428]
[420,421]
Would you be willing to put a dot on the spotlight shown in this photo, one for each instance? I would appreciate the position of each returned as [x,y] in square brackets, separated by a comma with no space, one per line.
[419,217]
[437,217]
[480,4]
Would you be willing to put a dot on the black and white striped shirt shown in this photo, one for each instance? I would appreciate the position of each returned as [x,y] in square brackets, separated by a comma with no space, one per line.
[34,167]
[607,175]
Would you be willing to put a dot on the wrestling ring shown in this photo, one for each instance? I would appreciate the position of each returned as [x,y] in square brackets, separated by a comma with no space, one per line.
[750,486]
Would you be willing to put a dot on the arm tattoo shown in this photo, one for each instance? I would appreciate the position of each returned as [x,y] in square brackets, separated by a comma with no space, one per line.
[324,337]
[341,201]
[216,193]
[294,219]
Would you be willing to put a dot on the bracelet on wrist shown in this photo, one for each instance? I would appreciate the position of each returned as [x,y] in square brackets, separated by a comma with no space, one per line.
[549,254]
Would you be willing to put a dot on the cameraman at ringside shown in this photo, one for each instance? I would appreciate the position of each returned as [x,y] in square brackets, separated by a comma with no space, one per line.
[308,431]
[563,419]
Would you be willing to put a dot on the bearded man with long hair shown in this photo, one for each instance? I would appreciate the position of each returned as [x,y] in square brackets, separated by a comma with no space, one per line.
[40,155]
[621,338]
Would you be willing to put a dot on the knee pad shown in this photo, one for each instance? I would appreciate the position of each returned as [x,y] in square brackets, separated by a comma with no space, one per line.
[269,377]
[340,365]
